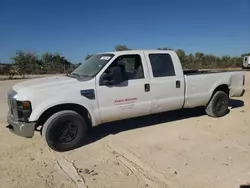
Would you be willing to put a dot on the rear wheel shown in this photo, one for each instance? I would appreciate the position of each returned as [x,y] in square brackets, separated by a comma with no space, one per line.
[64,130]
[218,105]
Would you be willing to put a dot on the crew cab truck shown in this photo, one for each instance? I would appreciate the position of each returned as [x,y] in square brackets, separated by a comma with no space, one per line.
[114,86]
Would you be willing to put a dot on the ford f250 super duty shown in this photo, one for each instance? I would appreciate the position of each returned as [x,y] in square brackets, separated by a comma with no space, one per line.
[114,86]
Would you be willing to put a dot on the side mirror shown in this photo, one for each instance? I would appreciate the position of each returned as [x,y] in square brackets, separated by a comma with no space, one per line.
[115,76]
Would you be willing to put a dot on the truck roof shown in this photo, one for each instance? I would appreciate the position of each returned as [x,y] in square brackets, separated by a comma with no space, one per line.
[136,51]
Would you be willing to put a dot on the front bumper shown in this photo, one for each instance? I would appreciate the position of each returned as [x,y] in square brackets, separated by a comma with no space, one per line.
[21,128]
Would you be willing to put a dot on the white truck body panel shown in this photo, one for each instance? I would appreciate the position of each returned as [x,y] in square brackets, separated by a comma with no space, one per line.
[128,99]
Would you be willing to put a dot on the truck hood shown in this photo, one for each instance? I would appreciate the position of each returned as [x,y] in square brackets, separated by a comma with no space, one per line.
[41,84]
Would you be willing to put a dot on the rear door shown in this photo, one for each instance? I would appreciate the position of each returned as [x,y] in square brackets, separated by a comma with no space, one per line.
[130,98]
[166,82]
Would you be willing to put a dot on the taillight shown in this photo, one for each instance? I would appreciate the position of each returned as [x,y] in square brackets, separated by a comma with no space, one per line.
[243,79]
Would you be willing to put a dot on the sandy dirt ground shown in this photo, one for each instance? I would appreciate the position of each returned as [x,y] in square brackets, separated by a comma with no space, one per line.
[183,149]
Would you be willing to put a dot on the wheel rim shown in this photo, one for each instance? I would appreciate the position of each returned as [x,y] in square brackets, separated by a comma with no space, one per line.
[66,132]
[221,104]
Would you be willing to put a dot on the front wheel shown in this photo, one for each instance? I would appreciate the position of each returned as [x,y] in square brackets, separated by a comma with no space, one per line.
[64,130]
[218,105]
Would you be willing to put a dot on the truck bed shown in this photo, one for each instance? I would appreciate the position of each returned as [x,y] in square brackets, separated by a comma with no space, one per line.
[200,71]
[200,84]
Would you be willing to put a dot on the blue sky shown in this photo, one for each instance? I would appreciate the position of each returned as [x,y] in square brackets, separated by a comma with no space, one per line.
[77,28]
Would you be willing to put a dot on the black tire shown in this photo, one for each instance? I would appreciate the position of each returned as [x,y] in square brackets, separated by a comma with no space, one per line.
[64,130]
[218,105]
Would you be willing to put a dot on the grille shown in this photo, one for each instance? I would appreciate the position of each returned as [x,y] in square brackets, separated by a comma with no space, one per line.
[10,106]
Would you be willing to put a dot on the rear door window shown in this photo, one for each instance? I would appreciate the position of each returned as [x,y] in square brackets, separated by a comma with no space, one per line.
[162,65]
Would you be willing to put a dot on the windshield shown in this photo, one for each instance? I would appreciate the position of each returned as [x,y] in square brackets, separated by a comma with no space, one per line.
[92,66]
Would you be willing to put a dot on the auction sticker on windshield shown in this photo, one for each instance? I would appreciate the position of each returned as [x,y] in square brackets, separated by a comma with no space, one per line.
[105,58]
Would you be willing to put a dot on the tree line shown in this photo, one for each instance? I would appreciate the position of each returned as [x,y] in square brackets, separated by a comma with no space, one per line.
[24,63]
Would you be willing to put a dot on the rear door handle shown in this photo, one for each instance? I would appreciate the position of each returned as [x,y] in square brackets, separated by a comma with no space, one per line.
[178,83]
[147,87]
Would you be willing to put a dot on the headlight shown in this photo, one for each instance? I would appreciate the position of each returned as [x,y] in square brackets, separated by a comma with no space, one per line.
[23,105]
[24,110]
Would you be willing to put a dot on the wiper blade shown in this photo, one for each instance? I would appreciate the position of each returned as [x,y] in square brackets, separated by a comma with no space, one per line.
[86,75]
[75,74]
[81,75]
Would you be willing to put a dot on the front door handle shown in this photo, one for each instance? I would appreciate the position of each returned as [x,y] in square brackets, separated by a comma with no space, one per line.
[147,87]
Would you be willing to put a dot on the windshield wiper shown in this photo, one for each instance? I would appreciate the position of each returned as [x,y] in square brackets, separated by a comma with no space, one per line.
[86,75]
[75,74]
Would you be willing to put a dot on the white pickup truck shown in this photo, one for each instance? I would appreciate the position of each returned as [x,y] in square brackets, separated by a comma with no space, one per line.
[114,86]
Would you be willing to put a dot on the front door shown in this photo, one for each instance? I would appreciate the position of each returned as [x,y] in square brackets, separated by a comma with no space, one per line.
[130,98]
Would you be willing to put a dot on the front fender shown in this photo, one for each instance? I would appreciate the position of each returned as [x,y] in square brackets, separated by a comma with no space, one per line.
[45,105]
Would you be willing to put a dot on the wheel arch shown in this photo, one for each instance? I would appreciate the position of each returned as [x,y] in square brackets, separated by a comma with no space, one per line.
[66,106]
[222,87]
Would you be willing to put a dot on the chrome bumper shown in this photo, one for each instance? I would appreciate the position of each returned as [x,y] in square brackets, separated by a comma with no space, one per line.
[20,128]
